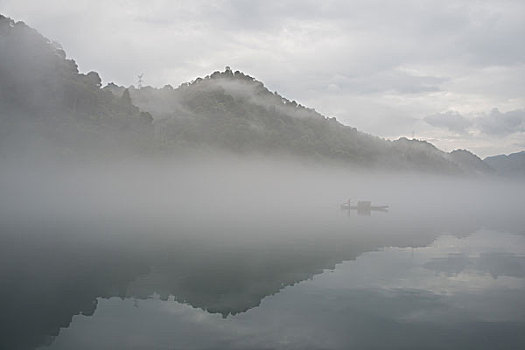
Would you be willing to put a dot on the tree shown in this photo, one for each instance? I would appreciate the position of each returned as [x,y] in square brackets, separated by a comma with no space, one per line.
[94,79]
[126,98]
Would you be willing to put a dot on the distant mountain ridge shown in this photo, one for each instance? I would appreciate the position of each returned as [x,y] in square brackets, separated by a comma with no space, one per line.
[470,161]
[512,165]
[44,100]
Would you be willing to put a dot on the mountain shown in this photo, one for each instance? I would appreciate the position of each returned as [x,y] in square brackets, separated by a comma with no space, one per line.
[233,111]
[47,105]
[470,162]
[512,165]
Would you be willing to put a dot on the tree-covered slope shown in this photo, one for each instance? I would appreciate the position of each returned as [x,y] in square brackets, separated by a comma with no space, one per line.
[470,162]
[44,100]
[233,111]
[47,104]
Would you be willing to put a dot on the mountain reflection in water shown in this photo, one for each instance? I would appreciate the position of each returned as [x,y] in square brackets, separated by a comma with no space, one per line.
[426,279]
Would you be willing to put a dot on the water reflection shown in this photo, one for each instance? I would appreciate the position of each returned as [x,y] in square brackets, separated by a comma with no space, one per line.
[263,284]
[384,299]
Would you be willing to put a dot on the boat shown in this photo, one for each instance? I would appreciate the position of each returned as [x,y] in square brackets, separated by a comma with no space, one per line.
[363,206]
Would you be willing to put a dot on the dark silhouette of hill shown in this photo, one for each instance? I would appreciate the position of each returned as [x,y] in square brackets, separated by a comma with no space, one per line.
[512,165]
[47,105]
[46,102]
[470,162]
[233,111]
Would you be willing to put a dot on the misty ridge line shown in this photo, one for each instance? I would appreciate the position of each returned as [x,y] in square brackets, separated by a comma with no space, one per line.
[50,109]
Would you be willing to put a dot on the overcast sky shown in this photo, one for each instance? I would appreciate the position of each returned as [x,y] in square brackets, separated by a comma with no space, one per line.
[450,72]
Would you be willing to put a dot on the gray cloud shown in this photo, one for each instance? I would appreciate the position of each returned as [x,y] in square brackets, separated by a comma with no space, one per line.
[493,123]
[502,124]
[450,120]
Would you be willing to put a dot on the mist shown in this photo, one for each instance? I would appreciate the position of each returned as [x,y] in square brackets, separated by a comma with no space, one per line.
[229,189]
[222,214]
[227,234]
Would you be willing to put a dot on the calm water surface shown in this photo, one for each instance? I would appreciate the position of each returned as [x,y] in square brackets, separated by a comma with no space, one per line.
[415,277]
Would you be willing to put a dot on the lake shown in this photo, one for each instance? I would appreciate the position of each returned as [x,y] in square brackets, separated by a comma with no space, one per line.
[291,270]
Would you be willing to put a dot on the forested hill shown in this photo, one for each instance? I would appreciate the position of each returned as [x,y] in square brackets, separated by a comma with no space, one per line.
[231,110]
[47,105]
